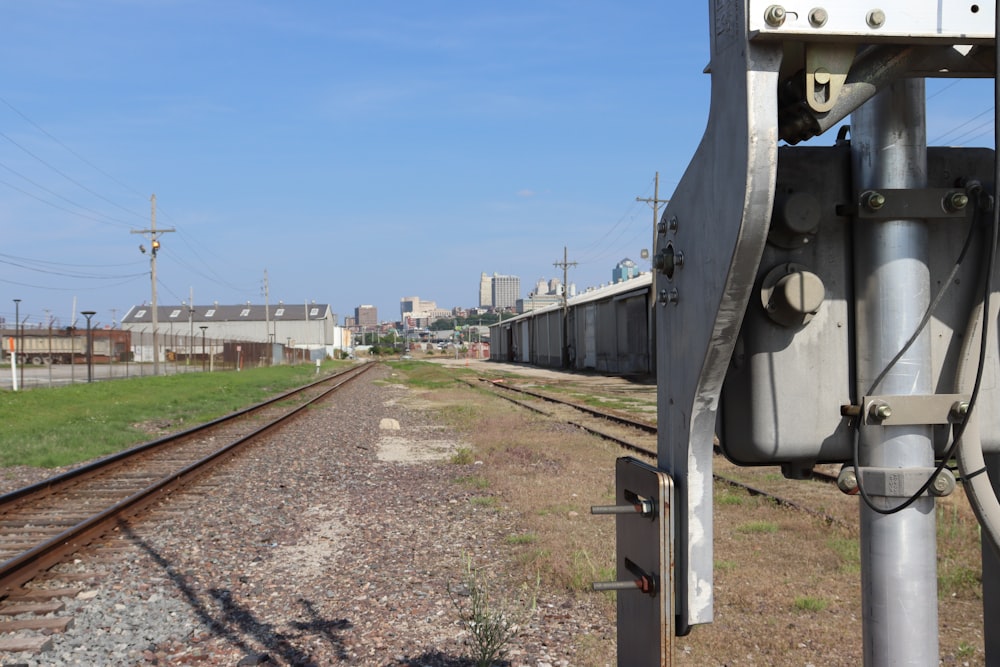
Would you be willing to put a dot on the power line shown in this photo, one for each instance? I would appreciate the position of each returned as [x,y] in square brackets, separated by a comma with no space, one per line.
[68,177]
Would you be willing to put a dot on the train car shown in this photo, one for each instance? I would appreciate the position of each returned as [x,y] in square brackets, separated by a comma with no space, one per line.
[37,347]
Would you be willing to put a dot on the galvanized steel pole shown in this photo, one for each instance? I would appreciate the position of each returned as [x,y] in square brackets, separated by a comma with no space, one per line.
[898,550]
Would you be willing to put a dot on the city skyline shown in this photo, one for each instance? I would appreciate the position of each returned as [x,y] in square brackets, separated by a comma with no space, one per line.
[355,153]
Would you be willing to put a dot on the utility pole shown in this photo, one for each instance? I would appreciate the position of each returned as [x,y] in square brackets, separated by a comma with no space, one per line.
[152,233]
[267,310]
[565,264]
[655,203]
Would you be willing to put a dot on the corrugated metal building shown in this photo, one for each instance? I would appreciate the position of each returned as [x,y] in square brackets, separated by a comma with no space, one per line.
[295,325]
[610,330]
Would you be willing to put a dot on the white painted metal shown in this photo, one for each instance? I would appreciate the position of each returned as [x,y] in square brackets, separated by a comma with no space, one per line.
[948,21]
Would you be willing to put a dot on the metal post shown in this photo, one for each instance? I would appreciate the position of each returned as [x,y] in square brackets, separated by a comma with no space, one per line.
[17,344]
[898,551]
[202,347]
[90,345]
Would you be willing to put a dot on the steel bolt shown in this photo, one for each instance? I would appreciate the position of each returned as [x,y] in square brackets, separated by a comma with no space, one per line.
[943,484]
[956,201]
[668,296]
[673,223]
[960,409]
[818,17]
[661,227]
[847,481]
[875,18]
[873,200]
[880,411]
[774,16]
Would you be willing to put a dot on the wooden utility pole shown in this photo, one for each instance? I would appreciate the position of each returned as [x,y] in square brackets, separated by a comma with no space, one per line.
[153,233]
[655,202]
[565,264]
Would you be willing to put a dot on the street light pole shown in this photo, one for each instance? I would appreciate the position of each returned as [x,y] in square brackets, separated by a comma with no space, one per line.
[90,344]
[17,343]
[202,327]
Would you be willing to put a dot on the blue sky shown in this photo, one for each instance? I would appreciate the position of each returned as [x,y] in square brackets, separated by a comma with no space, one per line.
[357,152]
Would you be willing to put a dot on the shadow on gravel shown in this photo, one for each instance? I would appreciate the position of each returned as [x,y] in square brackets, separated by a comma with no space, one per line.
[438,659]
[237,624]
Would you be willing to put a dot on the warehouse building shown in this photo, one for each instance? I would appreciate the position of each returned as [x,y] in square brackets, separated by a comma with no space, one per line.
[300,326]
[610,330]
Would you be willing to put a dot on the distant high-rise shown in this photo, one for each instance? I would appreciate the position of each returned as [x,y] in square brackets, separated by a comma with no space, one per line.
[506,291]
[485,291]
[366,316]
[624,270]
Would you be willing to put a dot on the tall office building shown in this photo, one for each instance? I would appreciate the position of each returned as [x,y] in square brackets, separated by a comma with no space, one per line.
[506,291]
[366,316]
[485,291]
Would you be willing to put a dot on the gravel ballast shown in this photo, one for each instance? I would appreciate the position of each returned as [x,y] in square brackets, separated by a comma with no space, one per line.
[341,540]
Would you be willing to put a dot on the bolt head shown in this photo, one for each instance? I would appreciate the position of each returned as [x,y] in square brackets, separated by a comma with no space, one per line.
[818,17]
[875,18]
[774,16]
[847,481]
[880,411]
[957,201]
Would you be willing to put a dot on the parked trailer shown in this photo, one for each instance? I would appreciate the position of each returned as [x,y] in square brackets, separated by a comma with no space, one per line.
[59,349]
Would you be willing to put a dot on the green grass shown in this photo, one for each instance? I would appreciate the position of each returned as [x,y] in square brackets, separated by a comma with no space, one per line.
[474,481]
[848,551]
[51,427]
[807,603]
[758,527]
[522,538]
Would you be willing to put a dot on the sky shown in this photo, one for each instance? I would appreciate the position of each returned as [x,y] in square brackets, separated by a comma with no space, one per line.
[354,153]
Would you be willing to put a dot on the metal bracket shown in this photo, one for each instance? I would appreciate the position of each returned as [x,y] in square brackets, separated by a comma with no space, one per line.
[904,204]
[905,482]
[910,410]
[827,66]
[644,538]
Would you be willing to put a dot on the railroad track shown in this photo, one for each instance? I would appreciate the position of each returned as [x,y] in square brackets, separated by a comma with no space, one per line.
[638,436]
[43,524]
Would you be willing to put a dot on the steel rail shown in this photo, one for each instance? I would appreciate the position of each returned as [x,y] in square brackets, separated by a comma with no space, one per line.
[649,428]
[16,571]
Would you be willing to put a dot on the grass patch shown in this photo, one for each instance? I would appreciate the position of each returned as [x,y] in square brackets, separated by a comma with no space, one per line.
[60,426]
[483,501]
[523,538]
[808,603]
[848,551]
[474,482]
[727,497]
[462,456]
[758,527]
[726,565]
[959,581]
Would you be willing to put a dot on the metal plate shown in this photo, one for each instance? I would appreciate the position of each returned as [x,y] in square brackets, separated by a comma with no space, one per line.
[645,622]
[904,21]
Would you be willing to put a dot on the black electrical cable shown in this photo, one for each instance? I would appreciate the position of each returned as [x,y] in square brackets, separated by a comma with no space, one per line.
[982,203]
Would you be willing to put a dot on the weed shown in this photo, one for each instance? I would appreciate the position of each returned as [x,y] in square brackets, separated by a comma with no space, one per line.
[965,650]
[849,552]
[462,456]
[491,624]
[523,538]
[726,565]
[956,579]
[474,481]
[807,603]
[483,501]
[727,498]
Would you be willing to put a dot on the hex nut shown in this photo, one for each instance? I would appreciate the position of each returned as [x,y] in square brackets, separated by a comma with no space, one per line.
[875,18]
[818,17]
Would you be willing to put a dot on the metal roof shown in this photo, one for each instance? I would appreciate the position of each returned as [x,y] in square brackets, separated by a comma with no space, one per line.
[640,283]
[296,312]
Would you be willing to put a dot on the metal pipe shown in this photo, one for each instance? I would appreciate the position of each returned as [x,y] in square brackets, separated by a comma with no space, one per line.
[892,278]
